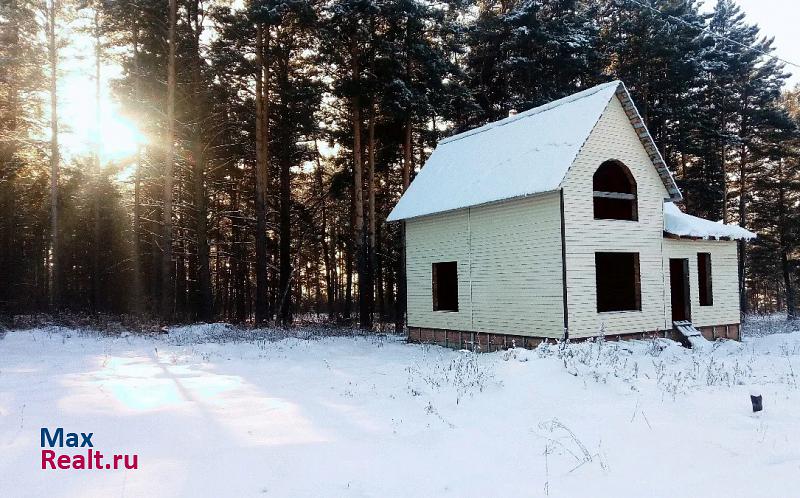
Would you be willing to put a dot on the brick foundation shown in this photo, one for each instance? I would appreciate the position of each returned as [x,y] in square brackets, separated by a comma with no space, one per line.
[487,342]
[714,332]
[477,341]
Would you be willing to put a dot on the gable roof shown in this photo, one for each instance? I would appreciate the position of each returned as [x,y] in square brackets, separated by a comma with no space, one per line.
[518,156]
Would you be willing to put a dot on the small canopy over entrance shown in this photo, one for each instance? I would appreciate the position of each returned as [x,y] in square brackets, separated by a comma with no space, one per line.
[680,224]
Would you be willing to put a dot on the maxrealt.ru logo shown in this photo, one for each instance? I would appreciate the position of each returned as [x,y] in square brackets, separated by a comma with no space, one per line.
[91,459]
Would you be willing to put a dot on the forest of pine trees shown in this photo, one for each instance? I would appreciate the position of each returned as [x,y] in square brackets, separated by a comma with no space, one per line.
[280,133]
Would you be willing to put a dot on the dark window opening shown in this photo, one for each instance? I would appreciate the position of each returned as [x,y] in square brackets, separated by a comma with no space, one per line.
[614,192]
[445,286]
[618,282]
[704,279]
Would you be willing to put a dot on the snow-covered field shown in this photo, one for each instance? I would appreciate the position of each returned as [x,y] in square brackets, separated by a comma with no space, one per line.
[212,415]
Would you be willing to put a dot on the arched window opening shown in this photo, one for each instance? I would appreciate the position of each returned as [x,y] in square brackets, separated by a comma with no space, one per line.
[614,192]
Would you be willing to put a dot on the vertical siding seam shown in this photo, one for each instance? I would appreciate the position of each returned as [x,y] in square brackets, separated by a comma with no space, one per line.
[469,271]
[613,136]
[405,274]
[510,257]
[667,319]
[564,267]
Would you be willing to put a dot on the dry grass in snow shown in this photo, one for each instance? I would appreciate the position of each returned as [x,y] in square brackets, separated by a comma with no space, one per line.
[212,411]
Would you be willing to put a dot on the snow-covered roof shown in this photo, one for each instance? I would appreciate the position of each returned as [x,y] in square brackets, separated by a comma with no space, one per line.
[676,222]
[518,156]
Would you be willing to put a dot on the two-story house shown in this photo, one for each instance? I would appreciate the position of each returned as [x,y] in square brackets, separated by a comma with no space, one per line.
[559,222]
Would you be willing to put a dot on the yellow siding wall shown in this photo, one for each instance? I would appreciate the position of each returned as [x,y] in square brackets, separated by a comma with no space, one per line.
[724,279]
[509,267]
[613,138]
[431,239]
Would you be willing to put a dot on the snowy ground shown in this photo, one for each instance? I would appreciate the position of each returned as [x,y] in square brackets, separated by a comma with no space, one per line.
[209,415]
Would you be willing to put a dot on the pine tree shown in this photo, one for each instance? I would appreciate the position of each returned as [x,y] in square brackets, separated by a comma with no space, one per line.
[200,129]
[345,35]
[167,279]
[52,11]
[773,214]
[523,54]
[742,84]
[295,95]
[659,53]
[21,78]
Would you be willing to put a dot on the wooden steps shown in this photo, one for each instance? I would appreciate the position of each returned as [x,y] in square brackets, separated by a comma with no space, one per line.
[692,335]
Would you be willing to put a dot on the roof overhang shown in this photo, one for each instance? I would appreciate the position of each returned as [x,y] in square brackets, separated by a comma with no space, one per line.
[647,141]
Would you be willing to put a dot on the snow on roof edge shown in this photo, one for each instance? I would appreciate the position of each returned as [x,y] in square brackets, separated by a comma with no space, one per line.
[676,222]
[390,218]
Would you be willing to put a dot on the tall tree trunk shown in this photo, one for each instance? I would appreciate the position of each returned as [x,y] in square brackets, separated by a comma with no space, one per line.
[372,239]
[400,300]
[262,176]
[723,156]
[167,290]
[359,234]
[239,256]
[330,280]
[55,250]
[137,185]
[96,276]
[285,256]
[204,300]
[8,222]
[788,282]
[786,270]
[407,155]
[8,167]
[97,290]
[378,270]
[287,281]
[179,249]
[348,270]
[330,286]
[743,157]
